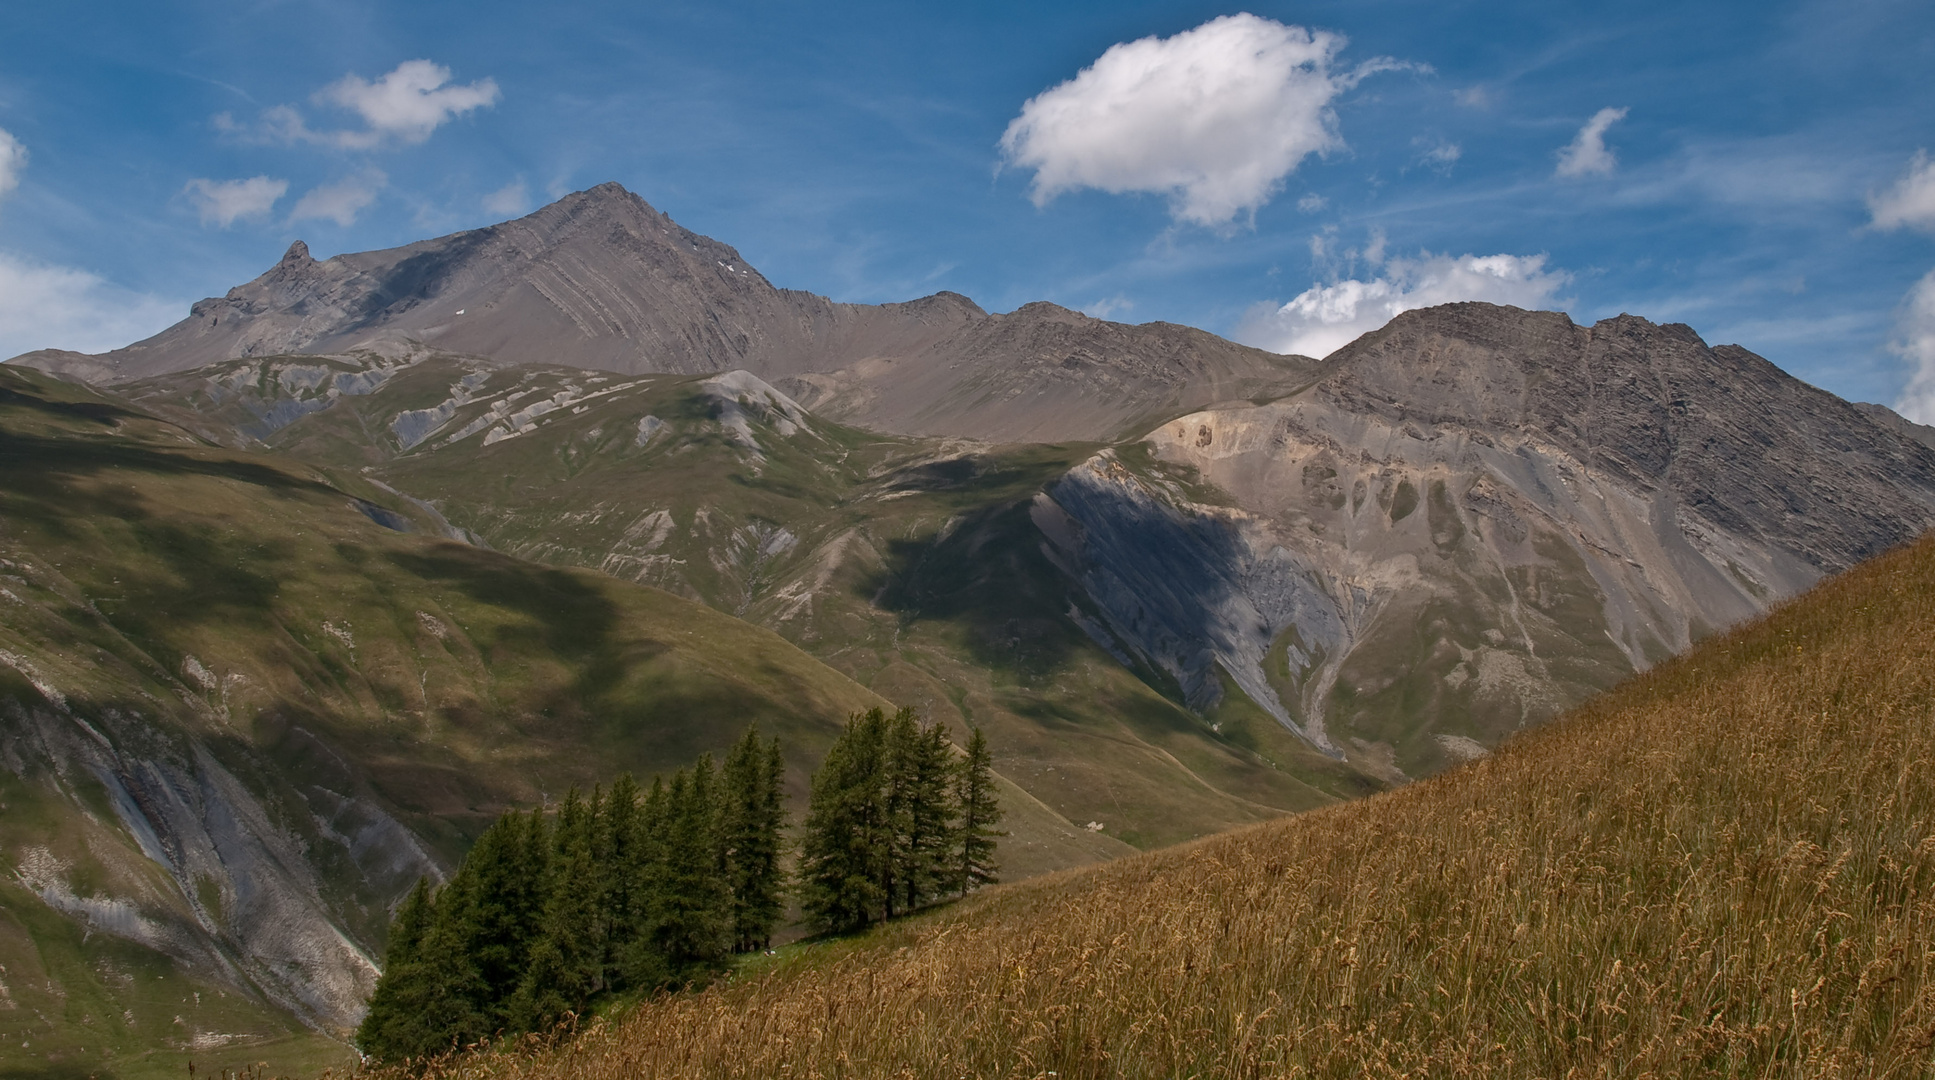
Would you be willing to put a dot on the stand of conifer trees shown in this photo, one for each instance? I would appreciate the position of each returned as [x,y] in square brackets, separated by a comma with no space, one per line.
[897,819]
[547,914]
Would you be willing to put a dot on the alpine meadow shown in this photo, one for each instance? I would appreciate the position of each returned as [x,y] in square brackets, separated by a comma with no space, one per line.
[869,541]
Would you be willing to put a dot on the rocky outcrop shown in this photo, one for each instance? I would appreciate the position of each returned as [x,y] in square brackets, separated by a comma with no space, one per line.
[1479,516]
[241,902]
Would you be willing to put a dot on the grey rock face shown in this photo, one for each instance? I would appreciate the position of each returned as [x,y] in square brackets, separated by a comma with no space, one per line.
[1481,515]
[246,907]
[601,280]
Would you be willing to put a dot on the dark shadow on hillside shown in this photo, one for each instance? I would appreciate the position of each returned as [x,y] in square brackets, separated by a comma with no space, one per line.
[573,617]
[988,577]
[31,462]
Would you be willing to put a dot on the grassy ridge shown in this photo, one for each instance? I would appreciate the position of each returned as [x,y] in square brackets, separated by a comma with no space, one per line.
[195,608]
[1723,867]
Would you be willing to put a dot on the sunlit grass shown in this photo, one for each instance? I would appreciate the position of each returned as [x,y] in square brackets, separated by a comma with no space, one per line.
[1725,867]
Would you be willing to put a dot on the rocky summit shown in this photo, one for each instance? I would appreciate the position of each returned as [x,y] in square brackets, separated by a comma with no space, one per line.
[301,592]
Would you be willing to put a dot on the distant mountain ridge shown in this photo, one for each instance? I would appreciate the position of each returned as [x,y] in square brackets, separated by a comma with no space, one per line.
[601,280]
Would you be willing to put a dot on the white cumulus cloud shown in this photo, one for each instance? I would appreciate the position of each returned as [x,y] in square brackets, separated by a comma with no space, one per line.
[225,202]
[341,201]
[408,103]
[1915,343]
[1325,318]
[1588,154]
[13,158]
[511,199]
[59,307]
[404,106]
[1214,117]
[1911,201]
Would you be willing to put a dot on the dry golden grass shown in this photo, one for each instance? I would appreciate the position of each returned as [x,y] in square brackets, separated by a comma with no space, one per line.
[1723,868]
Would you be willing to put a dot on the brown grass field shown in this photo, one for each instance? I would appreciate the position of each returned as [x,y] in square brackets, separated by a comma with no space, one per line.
[1725,867]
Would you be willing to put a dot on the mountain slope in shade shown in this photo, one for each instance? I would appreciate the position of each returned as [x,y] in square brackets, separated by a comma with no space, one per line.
[1479,516]
[601,280]
[246,702]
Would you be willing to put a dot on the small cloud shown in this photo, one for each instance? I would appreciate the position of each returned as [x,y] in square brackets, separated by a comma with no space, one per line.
[1475,97]
[1441,155]
[1110,307]
[510,200]
[341,201]
[408,103]
[404,106]
[1325,318]
[1588,155]
[59,307]
[1911,202]
[13,159]
[1312,203]
[224,202]
[1215,117]
[1915,343]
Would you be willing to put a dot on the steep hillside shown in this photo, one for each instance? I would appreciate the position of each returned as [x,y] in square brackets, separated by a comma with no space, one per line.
[1477,517]
[1726,867]
[245,703]
[601,280]
[909,564]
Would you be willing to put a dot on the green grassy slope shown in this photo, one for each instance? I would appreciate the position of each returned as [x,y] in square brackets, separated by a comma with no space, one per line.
[1723,867]
[310,708]
[909,565]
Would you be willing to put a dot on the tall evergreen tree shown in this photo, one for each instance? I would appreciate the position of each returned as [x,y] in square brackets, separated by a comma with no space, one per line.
[566,963]
[931,814]
[693,905]
[847,828]
[619,856]
[449,1000]
[980,811]
[390,1024]
[507,901]
[750,818]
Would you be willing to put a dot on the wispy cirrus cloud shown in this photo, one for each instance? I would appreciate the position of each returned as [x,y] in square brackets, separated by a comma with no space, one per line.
[224,202]
[1214,118]
[510,200]
[403,107]
[44,306]
[1588,154]
[48,306]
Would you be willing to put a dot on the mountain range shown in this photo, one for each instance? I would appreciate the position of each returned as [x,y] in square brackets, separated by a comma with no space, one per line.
[584,490]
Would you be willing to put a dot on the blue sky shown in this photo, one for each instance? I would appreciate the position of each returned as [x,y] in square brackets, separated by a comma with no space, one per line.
[1285,173]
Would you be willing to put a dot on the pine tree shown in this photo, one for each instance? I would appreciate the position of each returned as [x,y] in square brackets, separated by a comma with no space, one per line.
[389,1025]
[619,858]
[750,819]
[643,962]
[446,1001]
[847,828]
[931,813]
[566,963]
[980,812]
[507,899]
[693,905]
